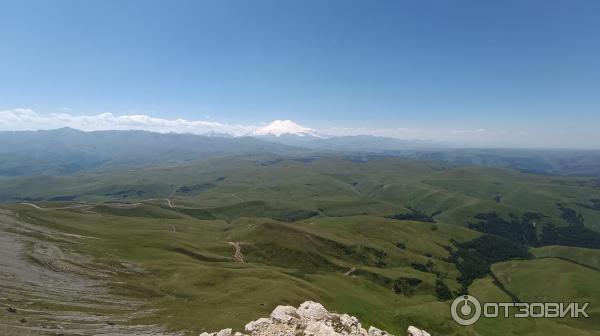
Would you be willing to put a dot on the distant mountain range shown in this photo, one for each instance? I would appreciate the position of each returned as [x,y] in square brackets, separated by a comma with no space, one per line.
[66,151]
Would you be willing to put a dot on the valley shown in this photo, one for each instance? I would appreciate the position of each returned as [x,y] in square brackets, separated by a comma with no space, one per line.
[240,235]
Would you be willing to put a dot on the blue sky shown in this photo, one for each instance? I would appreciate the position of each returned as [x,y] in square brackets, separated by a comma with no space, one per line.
[426,67]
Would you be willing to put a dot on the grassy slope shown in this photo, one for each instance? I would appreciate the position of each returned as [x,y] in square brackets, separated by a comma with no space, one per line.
[191,266]
[287,264]
[582,256]
[544,280]
[554,280]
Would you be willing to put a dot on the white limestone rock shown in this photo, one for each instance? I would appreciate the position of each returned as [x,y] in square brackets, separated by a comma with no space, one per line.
[255,326]
[414,331]
[347,325]
[224,332]
[319,328]
[376,332]
[310,310]
[310,319]
[284,314]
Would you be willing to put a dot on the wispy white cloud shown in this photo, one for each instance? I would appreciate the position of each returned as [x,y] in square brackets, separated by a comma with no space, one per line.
[27,119]
[467,131]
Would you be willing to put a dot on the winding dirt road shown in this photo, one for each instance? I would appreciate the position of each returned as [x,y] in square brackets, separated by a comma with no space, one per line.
[238,197]
[238,251]
[88,207]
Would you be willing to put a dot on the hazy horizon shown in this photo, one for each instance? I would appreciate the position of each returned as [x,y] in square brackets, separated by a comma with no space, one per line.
[29,120]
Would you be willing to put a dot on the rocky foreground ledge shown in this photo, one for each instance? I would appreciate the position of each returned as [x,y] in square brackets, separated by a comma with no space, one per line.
[310,319]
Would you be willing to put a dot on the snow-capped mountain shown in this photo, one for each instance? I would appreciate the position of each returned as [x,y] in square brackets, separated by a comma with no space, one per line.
[280,128]
[290,133]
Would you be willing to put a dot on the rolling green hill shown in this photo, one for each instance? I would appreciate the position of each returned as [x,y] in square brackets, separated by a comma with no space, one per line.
[388,240]
[331,185]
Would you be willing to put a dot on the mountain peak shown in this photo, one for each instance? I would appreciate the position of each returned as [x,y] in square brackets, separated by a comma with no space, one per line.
[284,127]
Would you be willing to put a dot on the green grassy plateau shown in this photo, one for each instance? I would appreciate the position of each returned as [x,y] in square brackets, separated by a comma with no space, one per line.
[316,229]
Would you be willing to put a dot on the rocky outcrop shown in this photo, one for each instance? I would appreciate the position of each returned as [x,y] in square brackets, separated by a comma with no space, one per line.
[310,319]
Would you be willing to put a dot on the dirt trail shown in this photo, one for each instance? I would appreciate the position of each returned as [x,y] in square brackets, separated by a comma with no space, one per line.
[114,205]
[117,205]
[169,202]
[85,207]
[350,271]
[46,289]
[238,197]
[238,251]
[33,205]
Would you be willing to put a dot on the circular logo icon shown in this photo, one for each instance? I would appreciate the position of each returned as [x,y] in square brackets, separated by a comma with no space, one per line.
[465,310]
